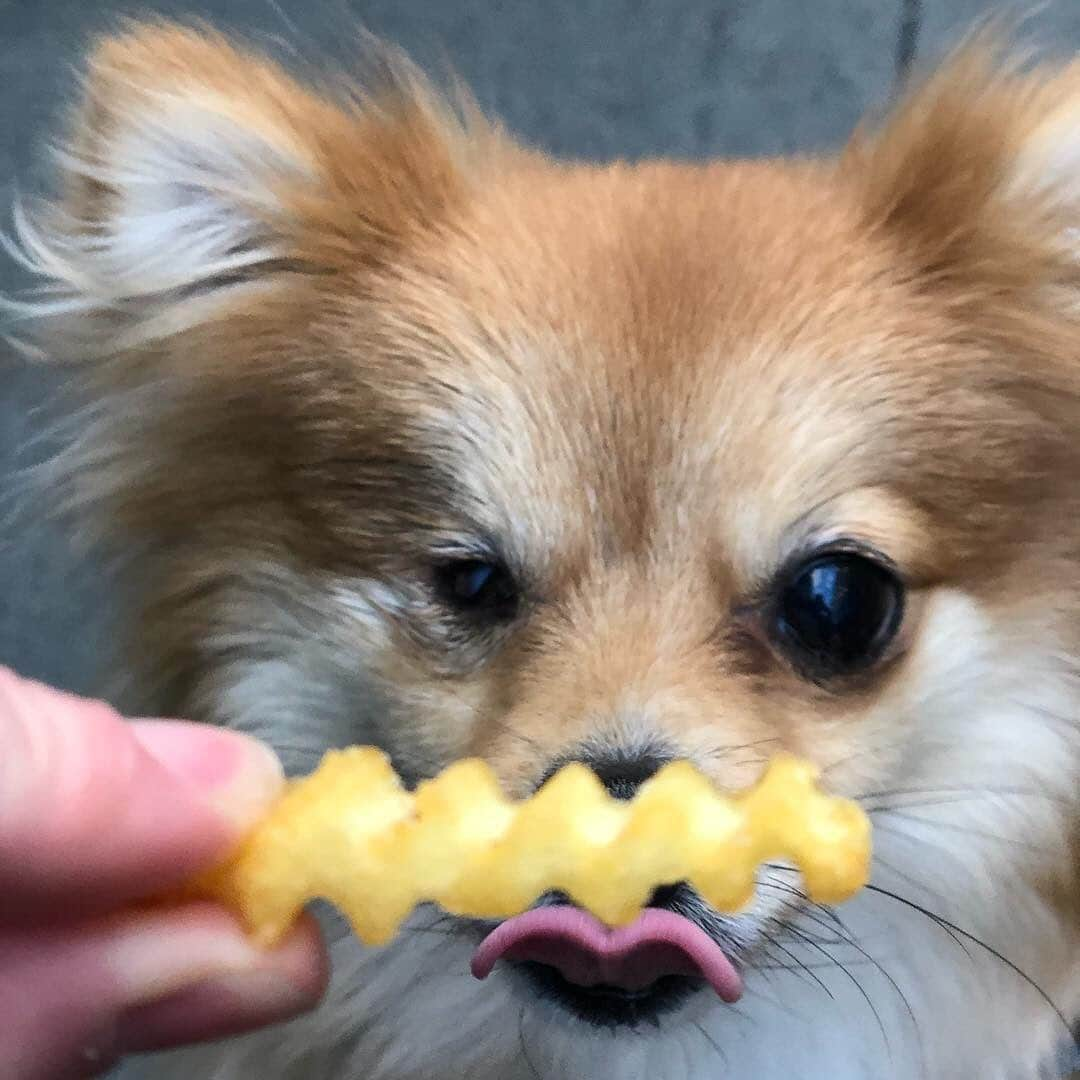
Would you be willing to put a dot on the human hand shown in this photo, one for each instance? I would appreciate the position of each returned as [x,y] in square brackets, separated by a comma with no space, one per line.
[96,815]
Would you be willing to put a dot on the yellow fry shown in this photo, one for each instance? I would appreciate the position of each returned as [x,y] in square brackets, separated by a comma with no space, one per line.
[351,834]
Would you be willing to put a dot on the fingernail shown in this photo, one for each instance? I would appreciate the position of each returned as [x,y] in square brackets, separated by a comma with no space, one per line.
[150,959]
[262,992]
[288,980]
[238,774]
[222,1006]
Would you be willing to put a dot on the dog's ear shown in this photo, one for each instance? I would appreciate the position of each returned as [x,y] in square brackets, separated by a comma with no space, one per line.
[977,175]
[191,165]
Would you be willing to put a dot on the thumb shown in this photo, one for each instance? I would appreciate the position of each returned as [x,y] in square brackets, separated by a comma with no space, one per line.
[96,812]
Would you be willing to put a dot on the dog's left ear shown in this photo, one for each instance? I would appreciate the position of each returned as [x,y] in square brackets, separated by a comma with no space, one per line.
[192,165]
[976,177]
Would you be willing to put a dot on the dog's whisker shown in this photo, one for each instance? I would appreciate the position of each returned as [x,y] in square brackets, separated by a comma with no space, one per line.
[723,751]
[847,939]
[858,985]
[799,964]
[524,1049]
[955,827]
[957,932]
[720,1051]
[954,794]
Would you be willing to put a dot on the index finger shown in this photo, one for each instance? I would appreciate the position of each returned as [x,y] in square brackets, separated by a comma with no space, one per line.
[96,812]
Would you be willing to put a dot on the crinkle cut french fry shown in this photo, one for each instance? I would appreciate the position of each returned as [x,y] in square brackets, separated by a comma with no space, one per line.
[350,833]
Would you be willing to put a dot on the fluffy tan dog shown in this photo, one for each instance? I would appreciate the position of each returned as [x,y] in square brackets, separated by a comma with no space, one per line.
[419,438]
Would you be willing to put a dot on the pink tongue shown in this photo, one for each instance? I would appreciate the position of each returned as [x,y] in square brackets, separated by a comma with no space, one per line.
[588,953]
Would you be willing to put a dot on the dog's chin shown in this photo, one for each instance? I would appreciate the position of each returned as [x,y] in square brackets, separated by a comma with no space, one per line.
[657,988]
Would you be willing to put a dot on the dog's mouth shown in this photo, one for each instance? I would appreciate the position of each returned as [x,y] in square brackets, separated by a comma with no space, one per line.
[612,976]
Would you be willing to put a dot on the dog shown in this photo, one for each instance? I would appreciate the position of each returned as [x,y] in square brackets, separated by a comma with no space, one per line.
[413,436]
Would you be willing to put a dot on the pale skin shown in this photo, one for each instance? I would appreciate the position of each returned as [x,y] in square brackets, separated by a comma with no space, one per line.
[98,814]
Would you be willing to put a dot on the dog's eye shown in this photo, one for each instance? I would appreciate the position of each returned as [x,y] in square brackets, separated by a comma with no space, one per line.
[836,614]
[472,585]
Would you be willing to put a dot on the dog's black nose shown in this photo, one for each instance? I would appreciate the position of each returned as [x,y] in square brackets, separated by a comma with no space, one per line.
[621,774]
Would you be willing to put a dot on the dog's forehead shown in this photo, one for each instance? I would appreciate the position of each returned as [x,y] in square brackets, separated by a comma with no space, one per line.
[624,353]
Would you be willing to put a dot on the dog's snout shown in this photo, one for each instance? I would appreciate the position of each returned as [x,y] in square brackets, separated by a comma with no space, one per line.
[621,774]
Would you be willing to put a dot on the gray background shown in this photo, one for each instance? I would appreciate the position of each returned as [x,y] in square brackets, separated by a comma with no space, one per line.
[591,78]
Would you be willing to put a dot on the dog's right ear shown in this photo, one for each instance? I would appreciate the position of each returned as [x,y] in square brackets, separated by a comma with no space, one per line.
[977,174]
[191,165]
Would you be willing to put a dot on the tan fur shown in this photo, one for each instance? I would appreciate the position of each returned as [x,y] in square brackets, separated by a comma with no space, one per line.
[652,386]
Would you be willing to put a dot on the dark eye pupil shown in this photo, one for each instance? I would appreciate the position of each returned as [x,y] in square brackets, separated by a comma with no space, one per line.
[477,586]
[470,581]
[837,614]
